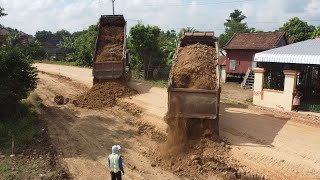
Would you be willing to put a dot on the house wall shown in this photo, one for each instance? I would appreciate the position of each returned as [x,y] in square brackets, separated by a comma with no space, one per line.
[282,42]
[273,98]
[243,59]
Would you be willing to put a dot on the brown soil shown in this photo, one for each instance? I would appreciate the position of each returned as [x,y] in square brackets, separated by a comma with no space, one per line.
[104,94]
[204,158]
[195,68]
[59,99]
[110,45]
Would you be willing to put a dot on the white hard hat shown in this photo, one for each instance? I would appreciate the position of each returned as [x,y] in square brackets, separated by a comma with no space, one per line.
[116,148]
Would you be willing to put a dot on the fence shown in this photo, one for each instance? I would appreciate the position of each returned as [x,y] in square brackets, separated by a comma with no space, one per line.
[274,79]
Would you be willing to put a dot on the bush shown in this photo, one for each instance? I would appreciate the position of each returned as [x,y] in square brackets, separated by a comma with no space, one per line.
[17,79]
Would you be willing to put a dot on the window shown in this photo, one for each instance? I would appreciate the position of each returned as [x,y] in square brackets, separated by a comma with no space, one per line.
[232,65]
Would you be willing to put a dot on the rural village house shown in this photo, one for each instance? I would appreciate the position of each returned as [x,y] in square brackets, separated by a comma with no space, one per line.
[24,37]
[242,47]
[283,69]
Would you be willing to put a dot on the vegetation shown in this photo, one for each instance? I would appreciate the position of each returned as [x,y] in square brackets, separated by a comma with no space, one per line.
[144,44]
[43,36]
[17,79]
[20,126]
[298,29]
[2,12]
[65,63]
[234,25]
[316,33]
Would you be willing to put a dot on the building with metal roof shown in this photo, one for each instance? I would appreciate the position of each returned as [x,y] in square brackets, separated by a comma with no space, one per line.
[286,69]
[305,52]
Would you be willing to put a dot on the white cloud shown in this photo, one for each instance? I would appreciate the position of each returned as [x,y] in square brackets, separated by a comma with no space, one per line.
[74,15]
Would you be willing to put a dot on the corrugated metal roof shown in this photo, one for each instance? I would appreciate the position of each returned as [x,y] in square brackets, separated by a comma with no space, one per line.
[305,52]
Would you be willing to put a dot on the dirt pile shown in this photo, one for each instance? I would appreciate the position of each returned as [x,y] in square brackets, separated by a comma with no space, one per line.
[195,68]
[205,158]
[110,45]
[104,94]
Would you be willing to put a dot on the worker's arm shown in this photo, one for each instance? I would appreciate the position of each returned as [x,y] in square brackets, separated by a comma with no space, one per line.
[120,165]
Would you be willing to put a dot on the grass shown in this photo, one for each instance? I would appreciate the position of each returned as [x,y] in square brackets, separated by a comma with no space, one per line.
[20,127]
[65,63]
[6,172]
[159,83]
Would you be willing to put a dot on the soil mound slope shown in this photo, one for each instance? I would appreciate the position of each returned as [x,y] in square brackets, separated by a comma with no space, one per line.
[104,94]
[195,68]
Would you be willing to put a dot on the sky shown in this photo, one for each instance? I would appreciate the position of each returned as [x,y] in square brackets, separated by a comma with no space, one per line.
[31,16]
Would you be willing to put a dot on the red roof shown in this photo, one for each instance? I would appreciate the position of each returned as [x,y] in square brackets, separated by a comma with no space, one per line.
[255,41]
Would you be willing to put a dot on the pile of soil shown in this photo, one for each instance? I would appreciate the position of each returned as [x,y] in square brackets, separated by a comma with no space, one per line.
[110,45]
[203,158]
[104,94]
[195,68]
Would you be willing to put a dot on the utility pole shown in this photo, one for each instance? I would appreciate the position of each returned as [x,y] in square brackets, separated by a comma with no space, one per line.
[113,6]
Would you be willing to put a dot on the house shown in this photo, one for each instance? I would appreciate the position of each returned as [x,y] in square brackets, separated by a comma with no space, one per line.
[284,69]
[52,49]
[242,47]
[24,38]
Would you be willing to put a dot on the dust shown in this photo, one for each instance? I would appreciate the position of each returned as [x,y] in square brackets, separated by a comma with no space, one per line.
[110,44]
[201,159]
[195,68]
[105,94]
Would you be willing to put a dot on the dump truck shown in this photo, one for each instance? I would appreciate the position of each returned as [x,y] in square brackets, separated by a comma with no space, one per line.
[111,58]
[201,106]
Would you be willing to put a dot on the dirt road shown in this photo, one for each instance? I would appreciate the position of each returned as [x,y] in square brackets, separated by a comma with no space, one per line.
[274,146]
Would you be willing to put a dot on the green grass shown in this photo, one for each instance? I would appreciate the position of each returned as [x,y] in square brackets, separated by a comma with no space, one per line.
[20,127]
[159,83]
[65,63]
[6,172]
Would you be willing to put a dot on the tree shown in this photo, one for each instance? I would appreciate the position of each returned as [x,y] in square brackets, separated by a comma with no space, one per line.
[183,30]
[316,33]
[168,43]
[17,77]
[144,43]
[2,12]
[84,46]
[298,29]
[62,34]
[234,25]
[43,36]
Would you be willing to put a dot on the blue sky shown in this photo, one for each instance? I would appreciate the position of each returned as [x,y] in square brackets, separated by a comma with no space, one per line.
[74,15]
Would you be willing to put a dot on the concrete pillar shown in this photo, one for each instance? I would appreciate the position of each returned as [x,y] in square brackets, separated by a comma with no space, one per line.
[258,85]
[290,82]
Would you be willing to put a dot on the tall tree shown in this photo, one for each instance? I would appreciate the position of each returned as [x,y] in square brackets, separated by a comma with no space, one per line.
[2,12]
[234,25]
[183,30]
[144,43]
[43,36]
[298,29]
[316,33]
[62,34]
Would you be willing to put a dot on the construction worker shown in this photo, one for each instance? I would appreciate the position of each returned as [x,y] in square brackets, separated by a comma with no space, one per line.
[115,163]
